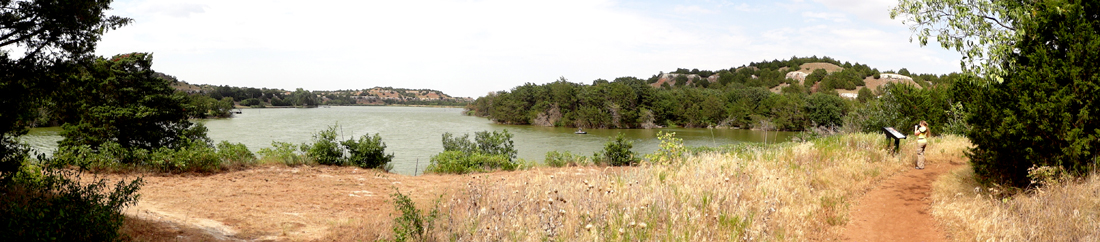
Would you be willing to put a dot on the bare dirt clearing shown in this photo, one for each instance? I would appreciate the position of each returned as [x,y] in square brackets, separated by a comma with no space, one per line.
[273,202]
[279,203]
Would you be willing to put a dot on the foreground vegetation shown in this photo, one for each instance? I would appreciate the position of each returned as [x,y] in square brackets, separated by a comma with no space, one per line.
[1061,208]
[789,191]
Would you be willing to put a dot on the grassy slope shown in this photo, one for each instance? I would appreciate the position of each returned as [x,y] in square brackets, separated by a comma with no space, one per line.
[791,191]
[1066,211]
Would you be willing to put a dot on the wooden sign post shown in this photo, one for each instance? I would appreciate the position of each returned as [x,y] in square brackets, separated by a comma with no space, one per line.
[892,133]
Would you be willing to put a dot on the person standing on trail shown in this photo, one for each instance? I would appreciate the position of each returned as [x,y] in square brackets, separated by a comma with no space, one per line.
[921,131]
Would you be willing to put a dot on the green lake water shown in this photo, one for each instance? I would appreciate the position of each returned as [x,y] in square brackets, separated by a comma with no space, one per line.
[414,134]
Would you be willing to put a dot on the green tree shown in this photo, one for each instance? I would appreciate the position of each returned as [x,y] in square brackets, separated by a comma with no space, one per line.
[825,110]
[303,98]
[53,203]
[1044,111]
[981,30]
[127,105]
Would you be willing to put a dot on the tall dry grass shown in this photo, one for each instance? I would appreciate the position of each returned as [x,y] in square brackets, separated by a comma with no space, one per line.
[1067,211]
[790,191]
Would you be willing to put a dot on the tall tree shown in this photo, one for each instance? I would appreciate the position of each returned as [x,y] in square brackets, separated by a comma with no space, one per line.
[1044,113]
[122,101]
[981,30]
[53,34]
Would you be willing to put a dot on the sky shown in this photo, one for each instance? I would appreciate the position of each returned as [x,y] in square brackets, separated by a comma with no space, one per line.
[472,47]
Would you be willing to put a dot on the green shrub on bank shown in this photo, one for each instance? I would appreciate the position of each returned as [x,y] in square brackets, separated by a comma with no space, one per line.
[325,149]
[286,153]
[457,162]
[42,201]
[367,152]
[489,151]
[191,156]
[565,158]
[616,152]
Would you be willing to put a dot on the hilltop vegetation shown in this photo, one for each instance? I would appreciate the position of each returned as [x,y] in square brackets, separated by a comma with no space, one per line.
[264,97]
[764,95]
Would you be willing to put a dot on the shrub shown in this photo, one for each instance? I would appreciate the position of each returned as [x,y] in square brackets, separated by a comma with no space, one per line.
[865,95]
[286,153]
[457,162]
[48,202]
[191,156]
[235,153]
[617,151]
[671,148]
[413,224]
[565,158]
[495,143]
[325,149]
[492,150]
[368,152]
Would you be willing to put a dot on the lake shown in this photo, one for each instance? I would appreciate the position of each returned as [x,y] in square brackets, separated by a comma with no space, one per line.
[414,134]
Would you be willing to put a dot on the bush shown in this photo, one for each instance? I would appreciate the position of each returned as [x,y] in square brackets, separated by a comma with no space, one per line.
[413,224]
[191,156]
[325,149]
[457,162]
[565,158]
[492,150]
[865,95]
[286,153]
[616,151]
[235,153]
[368,152]
[671,149]
[47,202]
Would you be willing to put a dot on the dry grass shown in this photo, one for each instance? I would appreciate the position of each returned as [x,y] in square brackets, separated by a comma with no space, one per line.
[791,191]
[1069,211]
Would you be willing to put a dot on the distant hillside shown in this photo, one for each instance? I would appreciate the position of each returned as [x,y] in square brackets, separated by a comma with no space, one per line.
[262,97]
[844,79]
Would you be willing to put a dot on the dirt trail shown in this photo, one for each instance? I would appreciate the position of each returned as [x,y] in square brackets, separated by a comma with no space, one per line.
[898,209]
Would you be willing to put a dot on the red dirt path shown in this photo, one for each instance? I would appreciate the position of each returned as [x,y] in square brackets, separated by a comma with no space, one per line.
[898,209]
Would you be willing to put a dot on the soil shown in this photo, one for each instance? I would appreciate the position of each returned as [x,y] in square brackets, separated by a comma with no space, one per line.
[272,203]
[898,209]
[280,203]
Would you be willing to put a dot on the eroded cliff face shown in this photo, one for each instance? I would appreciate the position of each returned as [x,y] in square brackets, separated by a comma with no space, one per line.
[549,117]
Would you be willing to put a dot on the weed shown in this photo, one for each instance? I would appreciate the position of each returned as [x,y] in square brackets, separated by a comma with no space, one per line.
[413,224]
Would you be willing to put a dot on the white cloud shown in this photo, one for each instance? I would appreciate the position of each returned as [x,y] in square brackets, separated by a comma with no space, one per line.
[835,17]
[179,10]
[744,7]
[469,48]
[693,9]
[877,11]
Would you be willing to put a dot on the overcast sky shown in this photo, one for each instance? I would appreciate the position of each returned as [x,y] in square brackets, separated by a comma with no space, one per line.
[469,48]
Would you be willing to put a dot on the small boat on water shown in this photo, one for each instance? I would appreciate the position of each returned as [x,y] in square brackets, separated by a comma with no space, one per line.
[579,131]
